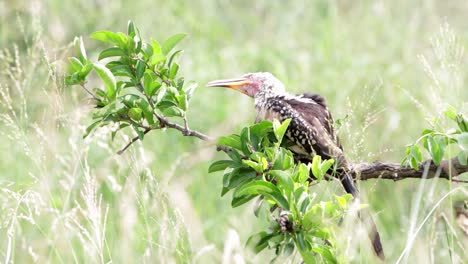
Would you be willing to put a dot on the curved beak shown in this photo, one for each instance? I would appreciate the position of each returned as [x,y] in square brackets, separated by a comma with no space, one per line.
[235,84]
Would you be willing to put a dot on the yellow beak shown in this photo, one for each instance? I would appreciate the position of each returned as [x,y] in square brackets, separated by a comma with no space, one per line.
[235,84]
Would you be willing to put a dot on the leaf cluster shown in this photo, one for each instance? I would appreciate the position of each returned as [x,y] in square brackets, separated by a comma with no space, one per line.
[259,166]
[436,141]
[140,81]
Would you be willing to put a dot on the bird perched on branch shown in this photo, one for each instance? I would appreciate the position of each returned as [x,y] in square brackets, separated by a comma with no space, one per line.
[311,127]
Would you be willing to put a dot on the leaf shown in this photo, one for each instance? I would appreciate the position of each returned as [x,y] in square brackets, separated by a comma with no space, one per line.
[182,100]
[85,70]
[259,241]
[434,149]
[262,128]
[326,165]
[107,78]
[325,252]
[219,165]
[173,56]
[463,158]
[173,71]
[284,180]
[130,28]
[111,52]
[267,189]
[302,173]
[451,112]
[171,42]
[156,47]
[91,127]
[190,89]
[238,201]
[254,165]
[140,70]
[135,113]
[75,63]
[79,46]
[109,37]
[156,58]
[161,94]
[280,129]
[232,141]
[316,167]
[120,70]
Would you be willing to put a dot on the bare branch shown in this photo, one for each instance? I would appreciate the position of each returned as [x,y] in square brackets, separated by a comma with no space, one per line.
[164,122]
[395,172]
[90,93]
[133,141]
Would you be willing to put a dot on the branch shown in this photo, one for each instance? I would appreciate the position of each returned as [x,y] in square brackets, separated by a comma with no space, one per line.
[164,122]
[133,141]
[393,171]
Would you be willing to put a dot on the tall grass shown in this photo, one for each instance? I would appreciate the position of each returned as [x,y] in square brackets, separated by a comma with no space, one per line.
[387,66]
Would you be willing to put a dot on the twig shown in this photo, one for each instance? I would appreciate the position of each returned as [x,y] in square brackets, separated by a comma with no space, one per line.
[89,92]
[164,122]
[133,141]
[155,72]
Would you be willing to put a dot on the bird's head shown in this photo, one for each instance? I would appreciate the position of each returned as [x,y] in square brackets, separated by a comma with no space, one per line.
[252,84]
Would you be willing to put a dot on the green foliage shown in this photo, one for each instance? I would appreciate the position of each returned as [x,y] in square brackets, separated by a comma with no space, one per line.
[436,142]
[259,167]
[140,80]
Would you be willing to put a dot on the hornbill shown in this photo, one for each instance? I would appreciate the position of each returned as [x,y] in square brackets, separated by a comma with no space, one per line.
[310,130]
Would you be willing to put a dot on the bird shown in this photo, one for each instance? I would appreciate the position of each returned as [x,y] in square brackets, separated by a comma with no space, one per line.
[310,130]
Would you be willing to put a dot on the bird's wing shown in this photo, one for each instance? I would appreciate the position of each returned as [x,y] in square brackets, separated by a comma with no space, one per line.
[315,117]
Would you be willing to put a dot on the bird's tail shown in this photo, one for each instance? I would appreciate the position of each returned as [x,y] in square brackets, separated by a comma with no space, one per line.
[365,217]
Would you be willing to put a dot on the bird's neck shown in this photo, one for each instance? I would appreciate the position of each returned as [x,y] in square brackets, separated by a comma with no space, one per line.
[262,97]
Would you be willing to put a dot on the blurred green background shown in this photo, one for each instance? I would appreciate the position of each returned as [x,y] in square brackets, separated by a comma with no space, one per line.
[385,68]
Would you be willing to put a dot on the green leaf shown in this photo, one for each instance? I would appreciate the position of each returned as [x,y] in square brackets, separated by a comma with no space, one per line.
[75,63]
[280,129]
[219,165]
[140,69]
[434,149]
[171,42]
[109,37]
[267,189]
[173,71]
[182,100]
[254,165]
[156,47]
[316,161]
[79,45]
[130,28]
[120,70]
[91,128]
[111,52]
[463,158]
[259,241]
[238,201]
[325,252]
[156,58]
[451,113]
[232,141]
[173,56]
[85,70]
[161,94]
[135,113]
[284,180]
[262,128]
[107,78]
[325,166]
[302,173]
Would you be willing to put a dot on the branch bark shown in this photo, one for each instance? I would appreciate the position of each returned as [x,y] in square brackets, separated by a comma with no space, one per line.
[448,169]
